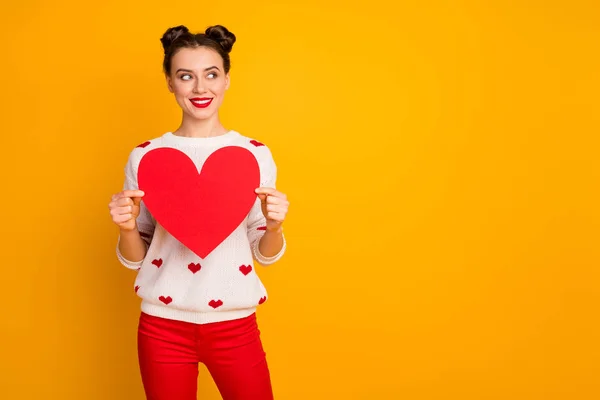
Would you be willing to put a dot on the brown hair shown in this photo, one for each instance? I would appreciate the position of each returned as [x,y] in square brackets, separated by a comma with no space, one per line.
[216,37]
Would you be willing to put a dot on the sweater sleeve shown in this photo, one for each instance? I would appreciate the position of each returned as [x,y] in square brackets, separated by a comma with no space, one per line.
[145,221]
[256,220]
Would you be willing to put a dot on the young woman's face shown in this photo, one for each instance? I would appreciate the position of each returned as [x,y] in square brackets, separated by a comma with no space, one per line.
[198,81]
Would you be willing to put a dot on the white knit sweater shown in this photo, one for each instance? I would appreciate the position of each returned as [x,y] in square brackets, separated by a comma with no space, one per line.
[175,283]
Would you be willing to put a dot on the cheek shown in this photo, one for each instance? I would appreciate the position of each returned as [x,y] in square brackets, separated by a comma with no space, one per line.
[181,89]
[220,89]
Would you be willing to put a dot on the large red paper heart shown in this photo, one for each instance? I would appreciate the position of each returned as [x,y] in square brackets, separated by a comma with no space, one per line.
[200,209]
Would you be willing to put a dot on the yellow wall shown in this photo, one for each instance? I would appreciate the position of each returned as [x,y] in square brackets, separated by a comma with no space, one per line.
[442,162]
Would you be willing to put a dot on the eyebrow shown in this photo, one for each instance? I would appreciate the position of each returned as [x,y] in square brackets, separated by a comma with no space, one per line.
[205,69]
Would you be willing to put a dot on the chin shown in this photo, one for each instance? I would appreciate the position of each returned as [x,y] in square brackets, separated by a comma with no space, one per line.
[201,114]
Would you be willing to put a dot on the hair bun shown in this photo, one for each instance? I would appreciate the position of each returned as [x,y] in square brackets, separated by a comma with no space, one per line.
[221,35]
[171,34]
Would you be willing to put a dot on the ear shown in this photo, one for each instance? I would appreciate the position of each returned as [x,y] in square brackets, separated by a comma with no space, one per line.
[169,83]
[227,81]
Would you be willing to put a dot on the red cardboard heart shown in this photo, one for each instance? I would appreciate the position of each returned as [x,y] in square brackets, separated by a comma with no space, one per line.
[199,209]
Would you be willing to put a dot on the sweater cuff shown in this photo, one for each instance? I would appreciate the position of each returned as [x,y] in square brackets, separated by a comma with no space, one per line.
[268,260]
[135,265]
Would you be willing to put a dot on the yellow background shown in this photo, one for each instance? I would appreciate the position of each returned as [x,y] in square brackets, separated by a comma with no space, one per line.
[441,158]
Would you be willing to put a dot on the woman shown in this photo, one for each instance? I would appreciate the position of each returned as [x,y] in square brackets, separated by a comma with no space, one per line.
[200,310]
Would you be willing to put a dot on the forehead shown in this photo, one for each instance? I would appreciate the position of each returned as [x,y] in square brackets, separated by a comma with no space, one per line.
[198,58]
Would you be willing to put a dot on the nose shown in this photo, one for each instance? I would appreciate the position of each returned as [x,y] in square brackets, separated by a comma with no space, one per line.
[199,87]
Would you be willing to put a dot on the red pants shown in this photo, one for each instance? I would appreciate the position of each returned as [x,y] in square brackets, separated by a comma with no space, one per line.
[169,352]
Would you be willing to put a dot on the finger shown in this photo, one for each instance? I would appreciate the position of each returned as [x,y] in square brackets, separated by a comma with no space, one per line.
[124,201]
[275,216]
[277,208]
[122,210]
[262,197]
[266,190]
[277,200]
[278,195]
[273,200]
[272,193]
[131,193]
[119,219]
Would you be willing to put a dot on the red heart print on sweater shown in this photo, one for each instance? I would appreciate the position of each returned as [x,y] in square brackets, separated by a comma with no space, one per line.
[215,303]
[143,144]
[256,143]
[158,262]
[262,300]
[137,288]
[165,300]
[246,269]
[200,209]
[194,267]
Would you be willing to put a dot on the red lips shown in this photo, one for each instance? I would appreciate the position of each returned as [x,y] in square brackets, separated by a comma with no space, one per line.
[206,101]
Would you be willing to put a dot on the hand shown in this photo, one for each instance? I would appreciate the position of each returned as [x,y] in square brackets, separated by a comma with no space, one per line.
[125,207]
[274,207]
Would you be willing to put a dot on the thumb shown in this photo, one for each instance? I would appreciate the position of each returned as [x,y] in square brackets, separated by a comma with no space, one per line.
[262,197]
[137,201]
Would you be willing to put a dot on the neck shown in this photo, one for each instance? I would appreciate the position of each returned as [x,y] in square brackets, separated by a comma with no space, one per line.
[191,127]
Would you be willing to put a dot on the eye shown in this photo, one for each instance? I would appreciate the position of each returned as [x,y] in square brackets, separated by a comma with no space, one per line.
[183,77]
[212,75]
